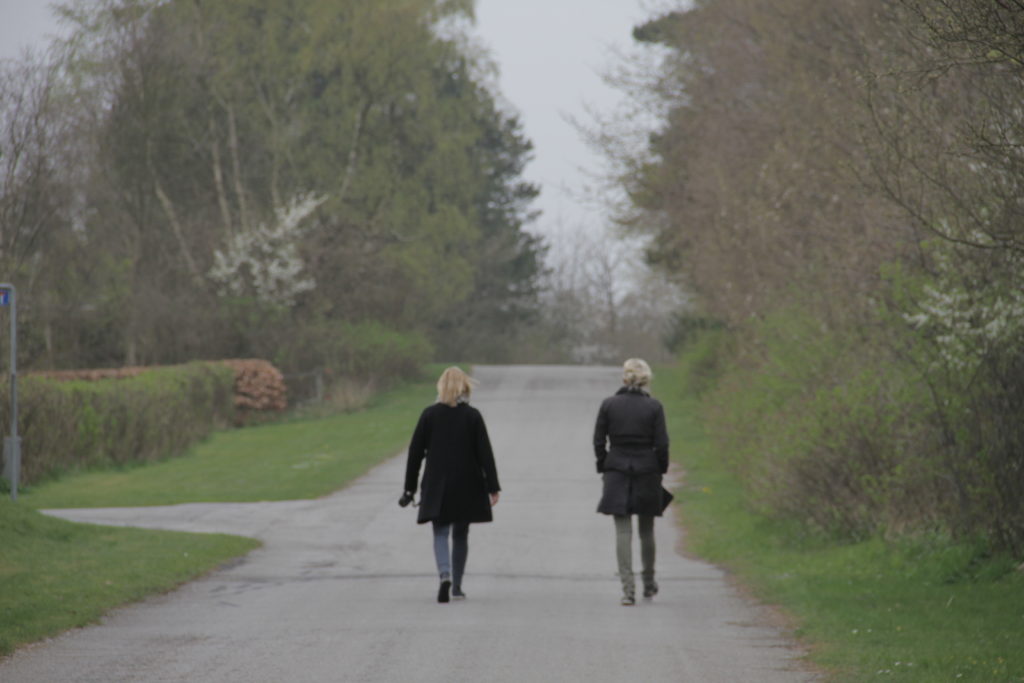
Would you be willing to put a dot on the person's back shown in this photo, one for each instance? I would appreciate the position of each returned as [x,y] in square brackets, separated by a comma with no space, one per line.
[460,481]
[631,448]
[634,426]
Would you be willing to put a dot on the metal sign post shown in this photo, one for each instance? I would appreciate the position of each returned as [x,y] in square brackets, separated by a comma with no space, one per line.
[12,443]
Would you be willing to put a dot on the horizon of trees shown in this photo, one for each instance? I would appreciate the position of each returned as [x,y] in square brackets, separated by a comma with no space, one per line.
[301,182]
[322,184]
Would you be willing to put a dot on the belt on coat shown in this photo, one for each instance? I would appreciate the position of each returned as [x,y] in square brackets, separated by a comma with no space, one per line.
[631,443]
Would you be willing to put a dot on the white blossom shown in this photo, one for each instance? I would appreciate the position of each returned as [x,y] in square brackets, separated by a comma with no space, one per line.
[969,315]
[264,262]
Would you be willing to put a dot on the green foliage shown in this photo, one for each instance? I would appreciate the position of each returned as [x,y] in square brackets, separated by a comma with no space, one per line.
[704,357]
[82,424]
[58,575]
[193,127]
[855,434]
[687,328]
[873,289]
[356,350]
[810,425]
[966,345]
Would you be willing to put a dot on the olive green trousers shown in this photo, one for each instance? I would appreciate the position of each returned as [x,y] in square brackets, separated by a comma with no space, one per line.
[624,549]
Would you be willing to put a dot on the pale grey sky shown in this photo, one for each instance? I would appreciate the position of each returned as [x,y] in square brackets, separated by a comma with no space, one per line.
[24,23]
[550,53]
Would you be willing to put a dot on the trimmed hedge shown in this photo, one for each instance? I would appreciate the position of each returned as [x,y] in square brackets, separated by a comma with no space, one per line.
[79,424]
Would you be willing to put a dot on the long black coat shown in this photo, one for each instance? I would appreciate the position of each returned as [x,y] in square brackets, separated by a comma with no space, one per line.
[460,472]
[631,446]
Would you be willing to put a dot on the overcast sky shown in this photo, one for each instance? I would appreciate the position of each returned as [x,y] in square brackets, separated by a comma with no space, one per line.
[551,54]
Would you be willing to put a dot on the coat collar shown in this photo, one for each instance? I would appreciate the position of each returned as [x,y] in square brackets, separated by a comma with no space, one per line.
[633,390]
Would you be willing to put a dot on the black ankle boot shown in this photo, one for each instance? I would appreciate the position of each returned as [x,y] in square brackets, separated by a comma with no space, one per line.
[446,585]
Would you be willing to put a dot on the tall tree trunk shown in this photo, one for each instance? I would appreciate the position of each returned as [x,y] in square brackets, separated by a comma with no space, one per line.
[236,165]
[179,234]
[218,182]
[172,218]
[353,150]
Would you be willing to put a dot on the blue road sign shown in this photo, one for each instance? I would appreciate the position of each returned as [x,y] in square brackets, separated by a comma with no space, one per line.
[5,297]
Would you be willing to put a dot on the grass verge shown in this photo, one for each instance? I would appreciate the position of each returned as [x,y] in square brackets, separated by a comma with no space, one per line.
[298,458]
[916,610]
[58,575]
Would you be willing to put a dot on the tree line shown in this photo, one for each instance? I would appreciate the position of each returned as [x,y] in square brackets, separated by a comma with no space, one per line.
[841,187]
[322,184]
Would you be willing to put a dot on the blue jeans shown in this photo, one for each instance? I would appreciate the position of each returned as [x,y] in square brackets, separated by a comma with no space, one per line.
[451,563]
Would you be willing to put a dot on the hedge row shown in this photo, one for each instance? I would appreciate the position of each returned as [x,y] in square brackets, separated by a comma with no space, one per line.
[76,424]
[93,374]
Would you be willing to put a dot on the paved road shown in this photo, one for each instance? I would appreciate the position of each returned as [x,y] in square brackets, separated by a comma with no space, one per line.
[344,588]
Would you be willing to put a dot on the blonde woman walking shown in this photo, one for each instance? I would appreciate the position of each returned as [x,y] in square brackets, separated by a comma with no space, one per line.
[631,446]
[460,480]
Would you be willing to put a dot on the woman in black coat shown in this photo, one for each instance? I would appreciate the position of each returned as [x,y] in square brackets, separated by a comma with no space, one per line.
[460,481]
[631,445]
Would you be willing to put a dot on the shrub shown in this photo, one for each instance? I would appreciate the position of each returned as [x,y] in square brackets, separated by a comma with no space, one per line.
[820,428]
[704,359]
[78,424]
[858,431]
[366,350]
[259,387]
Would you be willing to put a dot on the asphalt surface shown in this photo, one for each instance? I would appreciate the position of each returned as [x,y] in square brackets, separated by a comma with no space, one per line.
[344,587]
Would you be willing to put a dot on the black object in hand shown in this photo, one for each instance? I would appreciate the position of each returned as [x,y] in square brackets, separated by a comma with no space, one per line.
[405,499]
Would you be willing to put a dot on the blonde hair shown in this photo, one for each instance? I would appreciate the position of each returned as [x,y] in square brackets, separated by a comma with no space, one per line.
[636,373]
[453,385]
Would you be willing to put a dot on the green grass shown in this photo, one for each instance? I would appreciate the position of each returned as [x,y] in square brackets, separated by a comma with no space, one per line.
[300,458]
[910,610]
[56,575]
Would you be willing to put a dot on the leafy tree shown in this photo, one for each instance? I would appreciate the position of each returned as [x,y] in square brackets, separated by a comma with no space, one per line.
[201,129]
[840,183]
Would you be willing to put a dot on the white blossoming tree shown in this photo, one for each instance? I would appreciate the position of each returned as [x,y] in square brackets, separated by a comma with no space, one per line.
[970,310]
[264,262]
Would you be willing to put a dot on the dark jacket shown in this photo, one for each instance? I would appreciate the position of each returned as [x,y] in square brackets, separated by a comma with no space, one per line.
[631,447]
[460,471]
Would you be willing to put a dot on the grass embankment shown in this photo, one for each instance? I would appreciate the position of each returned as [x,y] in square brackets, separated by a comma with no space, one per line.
[921,610]
[57,575]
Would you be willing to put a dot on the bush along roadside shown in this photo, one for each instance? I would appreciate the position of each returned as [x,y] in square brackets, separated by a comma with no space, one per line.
[297,457]
[79,424]
[873,598]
